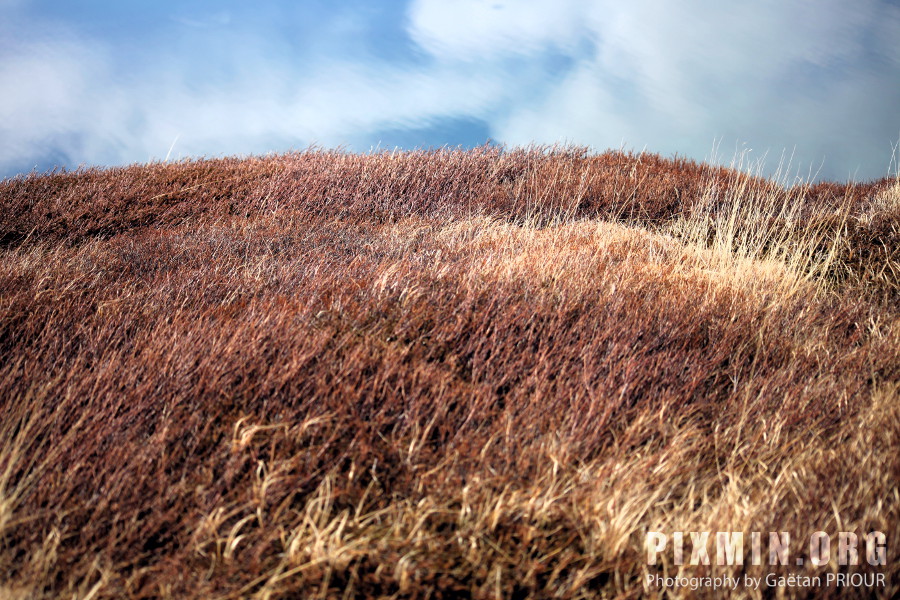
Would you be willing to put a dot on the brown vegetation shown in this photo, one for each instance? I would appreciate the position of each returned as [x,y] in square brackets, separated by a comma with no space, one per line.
[441,374]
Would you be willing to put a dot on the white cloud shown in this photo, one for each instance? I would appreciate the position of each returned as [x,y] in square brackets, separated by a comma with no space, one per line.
[71,99]
[477,29]
[205,21]
[672,77]
[676,76]
[48,92]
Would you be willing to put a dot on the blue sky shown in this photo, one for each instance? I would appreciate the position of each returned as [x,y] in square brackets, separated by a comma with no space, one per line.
[101,82]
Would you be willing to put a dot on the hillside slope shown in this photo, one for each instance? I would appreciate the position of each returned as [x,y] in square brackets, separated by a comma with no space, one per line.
[476,373]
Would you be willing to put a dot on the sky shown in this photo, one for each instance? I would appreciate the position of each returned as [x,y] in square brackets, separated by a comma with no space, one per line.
[811,84]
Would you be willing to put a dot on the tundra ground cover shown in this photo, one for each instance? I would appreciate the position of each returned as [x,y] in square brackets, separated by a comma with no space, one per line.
[481,373]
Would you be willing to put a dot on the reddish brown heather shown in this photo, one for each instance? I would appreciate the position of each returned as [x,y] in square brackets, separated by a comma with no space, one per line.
[440,374]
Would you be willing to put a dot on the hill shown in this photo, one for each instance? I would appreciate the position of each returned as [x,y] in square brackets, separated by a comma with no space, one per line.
[484,373]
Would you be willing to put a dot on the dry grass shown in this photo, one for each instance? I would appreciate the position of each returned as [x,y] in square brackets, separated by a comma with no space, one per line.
[436,374]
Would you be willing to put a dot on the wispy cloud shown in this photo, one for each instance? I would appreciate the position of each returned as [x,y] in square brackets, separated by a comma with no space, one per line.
[220,19]
[72,99]
[819,77]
